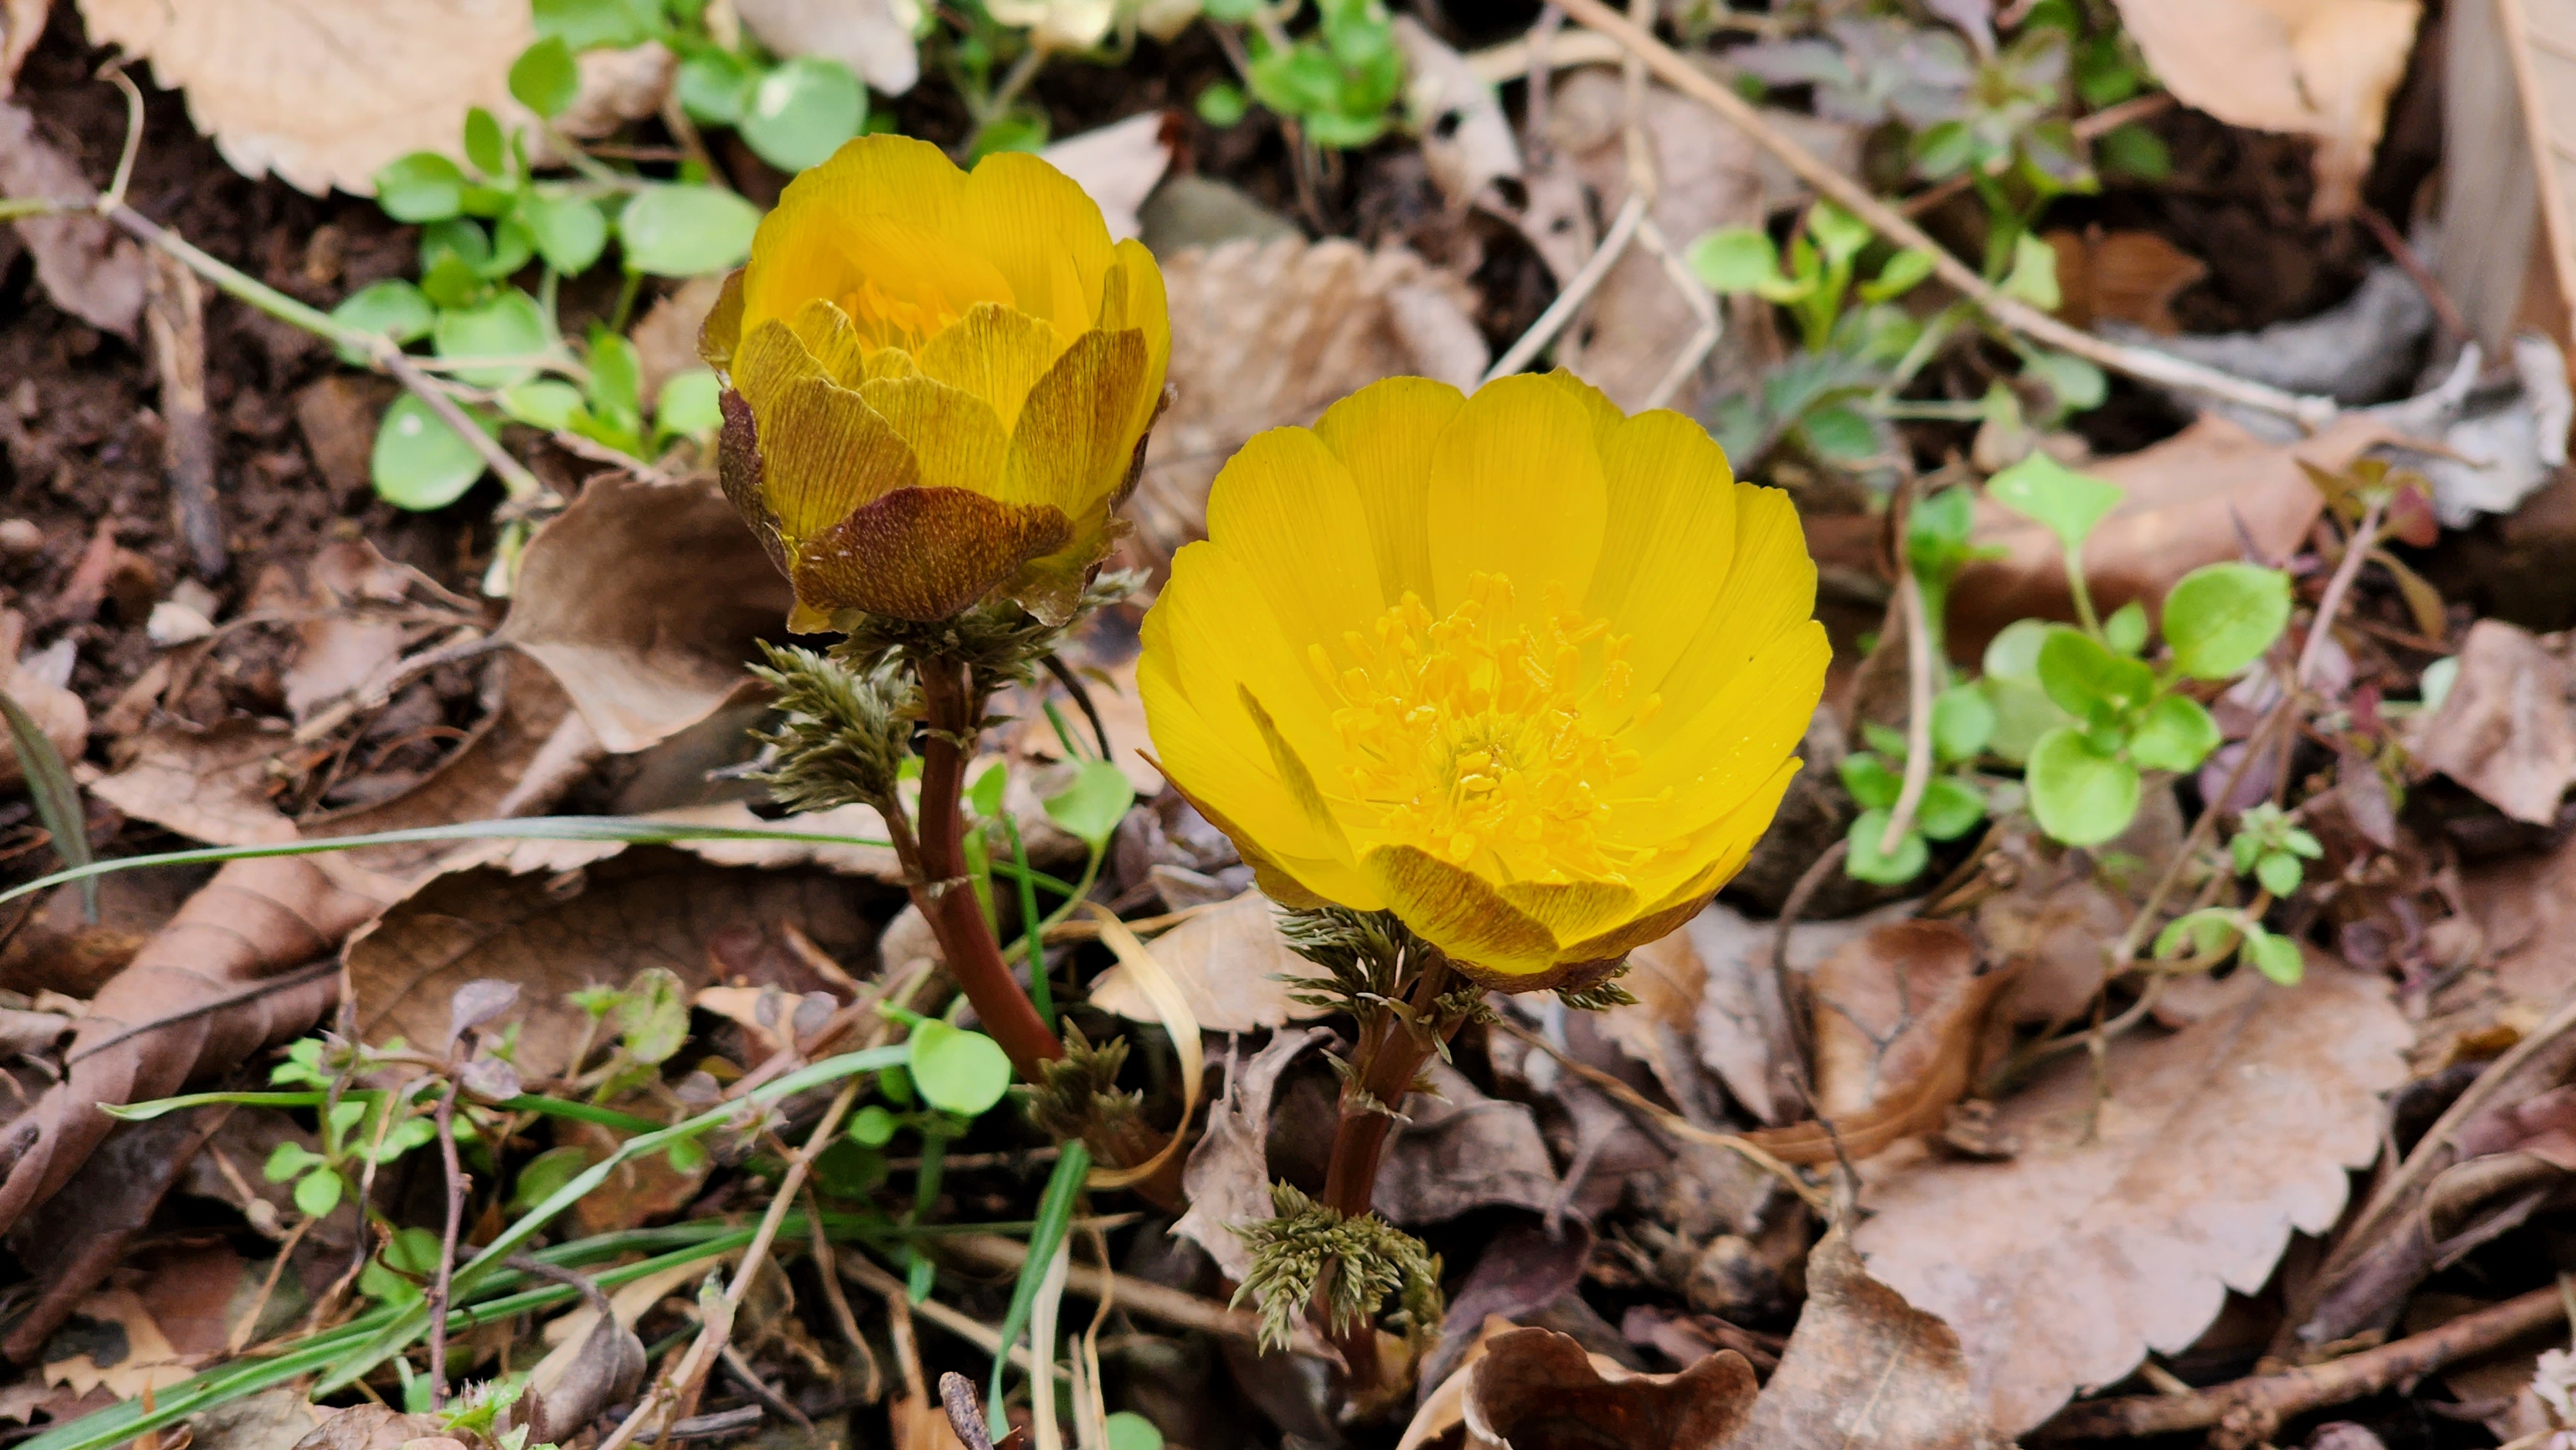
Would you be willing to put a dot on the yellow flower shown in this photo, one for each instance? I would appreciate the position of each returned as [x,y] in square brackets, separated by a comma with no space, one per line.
[1520,668]
[939,383]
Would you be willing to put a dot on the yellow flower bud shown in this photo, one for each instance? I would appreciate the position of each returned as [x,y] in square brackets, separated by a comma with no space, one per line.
[1517,667]
[938,384]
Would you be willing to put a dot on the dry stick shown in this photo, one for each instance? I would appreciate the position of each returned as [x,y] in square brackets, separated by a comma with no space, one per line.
[2356,550]
[2155,367]
[679,1389]
[1802,1047]
[840,1302]
[1919,672]
[1623,228]
[1154,1301]
[176,313]
[900,1309]
[2249,1408]
[446,1120]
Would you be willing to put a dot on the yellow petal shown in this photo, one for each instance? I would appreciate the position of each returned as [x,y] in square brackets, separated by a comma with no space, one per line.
[1385,435]
[1070,446]
[1605,415]
[770,357]
[722,330]
[1460,913]
[824,454]
[1738,736]
[1043,234]
[826,332]
[800,251]
[1216,632]
[1671,529]
[1287,510]
[956,441]
[1770,590]
[1298,781]
[1573,910]
[1516,490]
[1142,306]
[997,354]
[1724,849]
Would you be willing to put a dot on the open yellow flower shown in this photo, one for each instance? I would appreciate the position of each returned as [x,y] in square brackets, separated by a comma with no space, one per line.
[939,384]
[1516,666]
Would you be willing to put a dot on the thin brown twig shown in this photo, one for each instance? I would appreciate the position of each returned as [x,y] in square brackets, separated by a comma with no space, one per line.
[1678,72]
[2356,551]
[446,1121]
[839,1302]
[1154,1301]
[1578,288]
[2251,1409]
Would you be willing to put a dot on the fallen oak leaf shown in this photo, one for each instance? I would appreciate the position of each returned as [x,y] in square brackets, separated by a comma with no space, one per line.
[2062,1267]
[1864,1367]
[1898,1015]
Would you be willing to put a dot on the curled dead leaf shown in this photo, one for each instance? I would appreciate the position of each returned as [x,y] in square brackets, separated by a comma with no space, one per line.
[1228,962]
[89,269]
[2504,730]
[58,712]
[1536,1389]
[2062,1267]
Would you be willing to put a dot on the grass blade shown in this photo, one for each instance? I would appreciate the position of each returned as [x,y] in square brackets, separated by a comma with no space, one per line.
[57,796]
[1054,1221]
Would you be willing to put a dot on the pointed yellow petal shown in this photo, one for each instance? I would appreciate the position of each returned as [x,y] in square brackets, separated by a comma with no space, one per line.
[1735,741]
[1770,589]
[722,331]
[1287,510]
[1143,307]
[1671,529]
[1385,435]
[1040,230]
[824,454]
[997,354]
[1460,913]
[1070,446]
[1516,490]
[826,332]
[770,357]
[1573,910]
[802,248]
[955,439]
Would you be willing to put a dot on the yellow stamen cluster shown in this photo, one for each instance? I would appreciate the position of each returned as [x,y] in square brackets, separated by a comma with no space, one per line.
[887,318]
[1478,733]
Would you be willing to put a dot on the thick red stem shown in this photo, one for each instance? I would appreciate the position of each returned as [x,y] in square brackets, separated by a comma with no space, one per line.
[1391,1054]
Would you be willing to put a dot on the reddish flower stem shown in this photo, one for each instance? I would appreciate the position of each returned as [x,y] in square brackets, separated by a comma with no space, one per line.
[951,712]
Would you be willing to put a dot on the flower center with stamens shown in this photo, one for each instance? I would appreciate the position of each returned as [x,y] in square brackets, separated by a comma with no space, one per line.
[883,318]
[1476,733]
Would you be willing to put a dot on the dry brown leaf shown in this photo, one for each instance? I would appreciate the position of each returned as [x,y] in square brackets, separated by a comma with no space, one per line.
[553,934]
[2121,277]
[1268,334]
[1228,961]
[326,95]
[1227,1179]
[269,1420]
[1467,140]
[1458,1149]
[871,37]
[2541,35]
[666,341]
[1536,1389]
[1669,980]
[1743,1030]
[343,646]
[2187,498]
[373,1427]
[2062,1267]
[1864,1367]
[74,1240]
[645,600]
[1118,165]
[2504,729]
[2321,68]
[209,785]
[1897,1019]
[88,268]
[148,1363]
[22,24]
[57,711]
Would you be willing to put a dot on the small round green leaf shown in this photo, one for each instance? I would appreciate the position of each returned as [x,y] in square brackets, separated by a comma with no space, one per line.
[318,1192]
[2280,873]
[1962,722]
[483,143]
[2277,957]
[421,187]
[569,231]
[2081,676]
[1092,806]
[2204,932]
[846,1170]
[2033,278]
[686,1156]
[287,1160]
[2126,629]
[1950,808]
[958,1071]
[1869,780]
[548,403]
[872,1126]
[714,86]
[1734,259]
[653,1015]
[686,231]
[1895,868]
[1903,273]
[1131,1431]
[393,307]
[2047,492]
[2174,733]
[687,406]
[593,24]
[801,112]
[419,462]
[1223,104]
[545,1174]
[2080,795]
[2219,618]
[510,326]
[545,78]
[2014,653]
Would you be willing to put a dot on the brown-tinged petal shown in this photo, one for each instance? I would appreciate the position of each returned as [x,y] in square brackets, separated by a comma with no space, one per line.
[824,454]
[826,332]
[995,352]
[1486,936]
[722,330]
[955,439]
[1073,440]
[738,470]
[923,553]
[1276,881]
